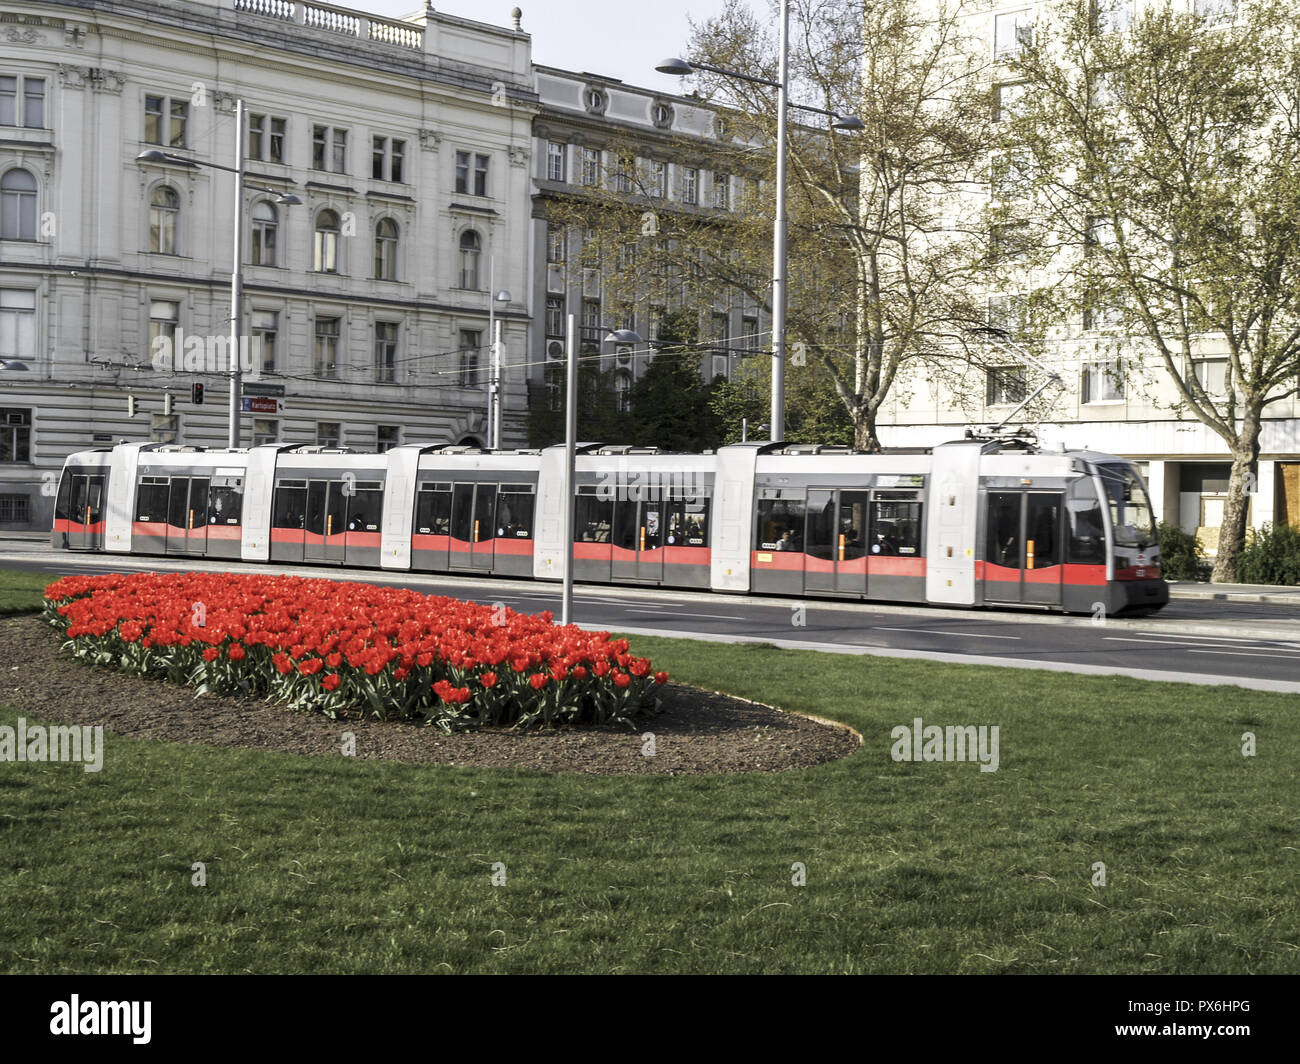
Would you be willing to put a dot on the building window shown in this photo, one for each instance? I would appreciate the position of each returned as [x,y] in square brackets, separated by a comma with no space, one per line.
[470,339]
[164,207]
[722,192]
[471,250]
[471,178]
[1213,375]
[658,179]
[17,323]
[555,246]
[554,161]
[1216,12]
[165,120]
[14,509]
[1010,313]
[1005,386]
[265,430]
[1103,382]
[623,171]
[1012,32]
[555,316]
[266,138]
[662,115]
[623,391]
[690,184]
[326,352]
[591,332]
[749,335]
[22,101]
[654,322]
[590,167]
[266,226]
[327,434]
[1009,243]
[1113,16]
[387,437]
[329,149]
[386,351]
[1006,98]
[325,248]
[15,434]
[265,328]
[386,250]
[17,206]
[164,316]
[1011,176]
[387,159]
[595,100]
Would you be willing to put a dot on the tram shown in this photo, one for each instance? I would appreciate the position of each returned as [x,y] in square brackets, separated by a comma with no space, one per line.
[976,522]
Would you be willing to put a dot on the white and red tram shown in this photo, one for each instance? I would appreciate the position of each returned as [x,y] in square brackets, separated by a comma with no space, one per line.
[969,523]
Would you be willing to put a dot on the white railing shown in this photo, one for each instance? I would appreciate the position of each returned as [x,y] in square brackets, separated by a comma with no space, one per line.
[337,20]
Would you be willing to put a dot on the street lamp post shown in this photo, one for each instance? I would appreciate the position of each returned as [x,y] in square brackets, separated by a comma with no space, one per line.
[237,267]
[494,357]
[618,336]
[679,66]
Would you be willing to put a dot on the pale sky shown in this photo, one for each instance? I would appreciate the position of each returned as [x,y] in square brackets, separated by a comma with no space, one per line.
[617,39]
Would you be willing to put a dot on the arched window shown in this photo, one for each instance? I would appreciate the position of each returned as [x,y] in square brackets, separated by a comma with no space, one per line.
[17,206]
[386,250]
[164,209]
[266,227]
[325,249]
[471,249]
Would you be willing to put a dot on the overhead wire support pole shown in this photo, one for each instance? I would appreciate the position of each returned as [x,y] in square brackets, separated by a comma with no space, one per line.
[778,238]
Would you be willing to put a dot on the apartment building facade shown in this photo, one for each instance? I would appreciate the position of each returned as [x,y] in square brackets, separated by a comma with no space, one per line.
[366,304]
[1114,396]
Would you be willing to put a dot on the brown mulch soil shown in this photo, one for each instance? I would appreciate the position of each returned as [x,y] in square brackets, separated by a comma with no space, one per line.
[694,731]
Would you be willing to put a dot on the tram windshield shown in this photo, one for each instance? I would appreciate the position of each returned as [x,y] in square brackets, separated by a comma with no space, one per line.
[1130,509]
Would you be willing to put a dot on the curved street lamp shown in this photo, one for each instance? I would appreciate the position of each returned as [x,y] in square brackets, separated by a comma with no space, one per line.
[679,66]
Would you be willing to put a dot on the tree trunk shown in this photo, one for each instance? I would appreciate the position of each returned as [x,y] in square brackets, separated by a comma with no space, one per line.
[1241,485]
[864,432]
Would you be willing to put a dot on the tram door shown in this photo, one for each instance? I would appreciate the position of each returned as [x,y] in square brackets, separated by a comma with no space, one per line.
[1023,549]
[473,525]
[326,524]
[187,515]
[87,512]
[638,539]
[835,559]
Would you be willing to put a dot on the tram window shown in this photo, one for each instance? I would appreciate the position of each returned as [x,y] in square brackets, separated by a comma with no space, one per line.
[151,499]
[1087,534]
[625,528]
[820,539]
[515,512]
[365,506]
[64,498]
[290,506]
[198,502]
[79,498]
[895,528]
[1043,531]
[688,523]
[1002,545]
[433,512]
[594,517]
[177,515]
[225,504]
[780,524]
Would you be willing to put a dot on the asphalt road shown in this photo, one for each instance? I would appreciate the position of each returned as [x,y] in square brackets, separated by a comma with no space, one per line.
[1192,640]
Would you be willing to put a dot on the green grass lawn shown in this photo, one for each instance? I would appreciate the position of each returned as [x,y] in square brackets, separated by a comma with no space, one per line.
[317,864]
[21,591]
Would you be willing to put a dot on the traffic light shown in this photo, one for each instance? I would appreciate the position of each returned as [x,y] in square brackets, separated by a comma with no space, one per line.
[196,395]
[130,406]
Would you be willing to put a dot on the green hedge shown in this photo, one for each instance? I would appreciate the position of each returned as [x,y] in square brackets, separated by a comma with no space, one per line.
[1271,557]
[1181,554]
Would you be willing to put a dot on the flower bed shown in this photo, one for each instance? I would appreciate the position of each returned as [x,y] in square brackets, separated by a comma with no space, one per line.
[339,647]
